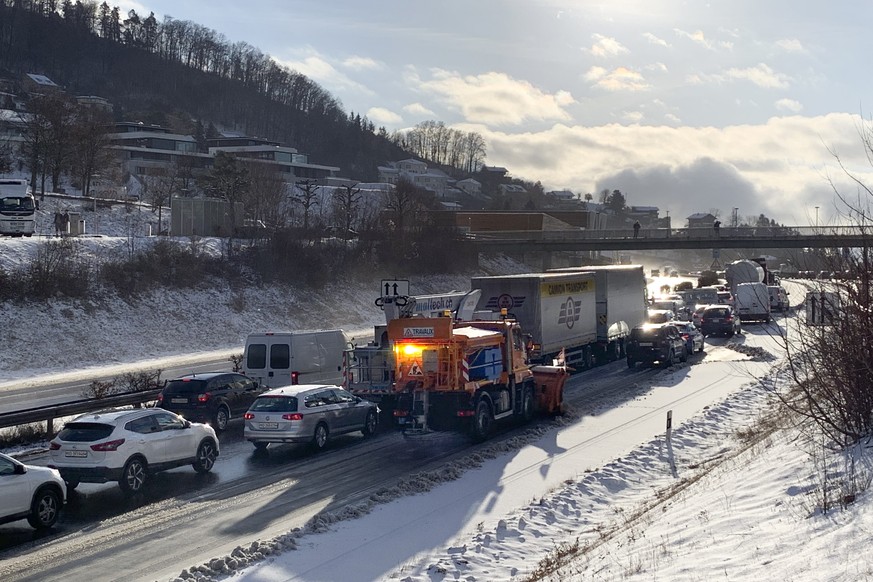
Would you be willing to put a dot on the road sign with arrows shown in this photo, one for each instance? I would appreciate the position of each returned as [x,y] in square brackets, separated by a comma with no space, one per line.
[394,288]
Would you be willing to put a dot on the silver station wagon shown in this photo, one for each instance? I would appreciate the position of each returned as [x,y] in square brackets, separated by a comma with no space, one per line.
[307,413]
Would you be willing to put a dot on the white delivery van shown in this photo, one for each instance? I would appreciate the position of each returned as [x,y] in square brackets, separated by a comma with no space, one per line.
[752,302]
[778,298]
[282,358]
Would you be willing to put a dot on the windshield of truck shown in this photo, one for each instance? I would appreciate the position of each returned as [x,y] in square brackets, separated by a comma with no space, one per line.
[16,204]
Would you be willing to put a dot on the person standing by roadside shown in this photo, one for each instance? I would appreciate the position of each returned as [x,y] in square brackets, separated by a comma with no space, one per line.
[636,229]
[716,226]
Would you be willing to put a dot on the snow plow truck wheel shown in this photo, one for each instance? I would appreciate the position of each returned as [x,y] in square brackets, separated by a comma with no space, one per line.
[528,405]
[482,421]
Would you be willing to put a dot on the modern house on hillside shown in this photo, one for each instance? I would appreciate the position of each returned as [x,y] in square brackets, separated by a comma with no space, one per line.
[151,149]
[416,172]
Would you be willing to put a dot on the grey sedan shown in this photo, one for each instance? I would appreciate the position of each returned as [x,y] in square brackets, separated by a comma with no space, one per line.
[307,413]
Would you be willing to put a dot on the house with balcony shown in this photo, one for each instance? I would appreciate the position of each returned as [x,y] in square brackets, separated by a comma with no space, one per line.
[701,220]
[416,172]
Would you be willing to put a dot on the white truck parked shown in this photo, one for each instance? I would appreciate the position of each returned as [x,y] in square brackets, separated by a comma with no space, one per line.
[275,359]
[752,302]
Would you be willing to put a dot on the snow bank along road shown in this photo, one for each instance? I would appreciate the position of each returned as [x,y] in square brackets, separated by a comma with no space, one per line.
[186,519]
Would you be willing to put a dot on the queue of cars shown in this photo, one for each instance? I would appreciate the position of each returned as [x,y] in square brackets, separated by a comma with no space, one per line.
[129,446]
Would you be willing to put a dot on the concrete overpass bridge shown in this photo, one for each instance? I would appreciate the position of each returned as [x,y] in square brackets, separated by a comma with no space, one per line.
[676,238]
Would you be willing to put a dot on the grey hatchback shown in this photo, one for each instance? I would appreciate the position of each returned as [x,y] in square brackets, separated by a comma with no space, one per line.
[307,413]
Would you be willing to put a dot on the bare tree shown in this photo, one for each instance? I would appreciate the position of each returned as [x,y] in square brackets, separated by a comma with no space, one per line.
[831,355]
[267,194]
[90,141]
[306,195]
[347,200]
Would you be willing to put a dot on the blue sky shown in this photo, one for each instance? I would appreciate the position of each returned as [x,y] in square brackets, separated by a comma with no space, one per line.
[688,106]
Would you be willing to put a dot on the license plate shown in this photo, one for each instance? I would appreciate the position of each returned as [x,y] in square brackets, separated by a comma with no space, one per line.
[716,320]
[179,400]
[266,425]
[75,453]
[645,344]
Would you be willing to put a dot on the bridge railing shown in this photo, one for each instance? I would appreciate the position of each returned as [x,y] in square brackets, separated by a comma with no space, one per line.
[730,232]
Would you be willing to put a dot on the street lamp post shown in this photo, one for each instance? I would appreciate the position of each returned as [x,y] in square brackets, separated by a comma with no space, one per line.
[816,218]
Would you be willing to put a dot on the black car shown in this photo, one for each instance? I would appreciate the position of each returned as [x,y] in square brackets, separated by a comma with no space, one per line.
[655,342]
[213,397]
[719,320]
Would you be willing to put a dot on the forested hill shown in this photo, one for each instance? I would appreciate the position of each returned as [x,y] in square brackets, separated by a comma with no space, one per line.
[175,73]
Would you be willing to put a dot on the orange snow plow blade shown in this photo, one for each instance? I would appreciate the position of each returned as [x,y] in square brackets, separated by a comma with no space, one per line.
[550,387]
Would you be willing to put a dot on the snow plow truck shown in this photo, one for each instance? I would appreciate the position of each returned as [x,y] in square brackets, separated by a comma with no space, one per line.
[465,375]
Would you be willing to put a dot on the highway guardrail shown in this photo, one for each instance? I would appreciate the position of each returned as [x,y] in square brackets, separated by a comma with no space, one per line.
[49,413]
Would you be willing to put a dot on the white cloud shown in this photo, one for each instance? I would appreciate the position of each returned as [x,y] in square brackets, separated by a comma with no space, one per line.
[494,98]
[359,63]
[606,46]
[633,116]
[618,79]
[789,105]
[418,109]
[761,75]
[380,115]
[778,167]
[791,45]
[657,67]
[655,40]
[320,70]
[696,36]
[672,118]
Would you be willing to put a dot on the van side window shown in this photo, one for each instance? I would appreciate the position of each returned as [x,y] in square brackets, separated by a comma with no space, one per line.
[280,356]
[256,358]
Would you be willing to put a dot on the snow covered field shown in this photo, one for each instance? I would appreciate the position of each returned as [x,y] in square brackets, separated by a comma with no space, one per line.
[603,495]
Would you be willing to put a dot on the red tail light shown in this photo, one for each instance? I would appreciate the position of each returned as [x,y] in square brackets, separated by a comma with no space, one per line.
[294,416]
[466,413]
[248,416]
[201,398]
[398,412]
[685,336]
[53,446]
[109,446]
[160,398]
[729,318]
[295,377]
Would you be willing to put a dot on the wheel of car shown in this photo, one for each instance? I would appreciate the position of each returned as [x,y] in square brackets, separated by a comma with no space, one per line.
[319,439]
[133,476]
[671,357]
[701,347]
[72,484]
[370,424]
[222,415]
[527,405]
[206,454]
[45,508]
[260,446]
[683,357]
[730,333]
[482,420]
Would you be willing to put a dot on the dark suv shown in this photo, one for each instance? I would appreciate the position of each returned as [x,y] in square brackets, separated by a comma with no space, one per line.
[213,397]
[655,342]
[719,319]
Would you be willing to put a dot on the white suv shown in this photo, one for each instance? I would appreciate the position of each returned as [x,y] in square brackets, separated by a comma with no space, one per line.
[129,445]
[34,493]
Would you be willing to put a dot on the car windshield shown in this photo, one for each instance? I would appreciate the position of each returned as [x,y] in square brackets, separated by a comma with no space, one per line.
[85,432]
[185,387]
[715,313]
[647,333]
[274,404]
